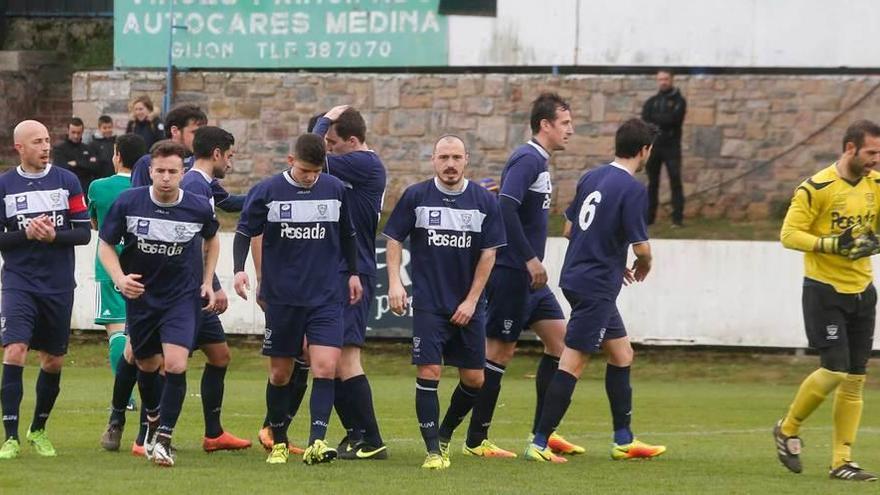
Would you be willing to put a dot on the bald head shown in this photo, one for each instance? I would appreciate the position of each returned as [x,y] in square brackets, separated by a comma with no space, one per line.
[449,159]
[26,129]
[450,139]
[32,143]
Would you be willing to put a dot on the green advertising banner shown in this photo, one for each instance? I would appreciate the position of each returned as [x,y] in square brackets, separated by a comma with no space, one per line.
[270,34]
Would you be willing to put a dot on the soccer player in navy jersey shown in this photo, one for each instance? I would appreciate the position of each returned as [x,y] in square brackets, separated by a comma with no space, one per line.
[517,290]
[213,150]
[181,124]
[161,225]
[454,227]
[213,153]
[299,379]
[308,255]
[44,217]
[606,216]
[360,169]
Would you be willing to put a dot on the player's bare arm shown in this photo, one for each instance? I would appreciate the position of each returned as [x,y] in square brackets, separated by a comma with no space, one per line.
[212,254]
[642,264]
[127,284]
[466,309]
[397,298]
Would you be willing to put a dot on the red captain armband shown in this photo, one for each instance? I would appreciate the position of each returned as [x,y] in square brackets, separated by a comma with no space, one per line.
[77,203]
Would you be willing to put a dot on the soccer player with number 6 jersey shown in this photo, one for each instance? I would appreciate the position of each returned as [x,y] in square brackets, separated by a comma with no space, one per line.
[454,227]
[605,218]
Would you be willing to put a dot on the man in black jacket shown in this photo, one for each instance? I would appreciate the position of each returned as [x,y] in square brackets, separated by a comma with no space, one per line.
[102,147]
[666,110]
[74,155]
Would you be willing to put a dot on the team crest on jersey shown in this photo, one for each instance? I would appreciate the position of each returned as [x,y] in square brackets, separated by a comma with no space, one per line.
[869,197]
[143,227]
[285,211]
[508,324]
[466,219]
[179,232]
[831,331]
[21,203]
[55,197]
[434,218]
[322,210]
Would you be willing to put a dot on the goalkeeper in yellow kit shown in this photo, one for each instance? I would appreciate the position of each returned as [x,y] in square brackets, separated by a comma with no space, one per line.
[832,219]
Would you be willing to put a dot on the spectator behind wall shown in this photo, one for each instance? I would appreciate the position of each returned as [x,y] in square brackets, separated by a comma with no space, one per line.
[144,123]
[71,153]
[102,146]
[666,110]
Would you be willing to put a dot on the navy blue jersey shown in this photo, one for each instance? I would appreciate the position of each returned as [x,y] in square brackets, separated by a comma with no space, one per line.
[526,180]
[447,233]
[159,240]
[363,174]
[607,215]
[38,266]
[301,228]
[196,182]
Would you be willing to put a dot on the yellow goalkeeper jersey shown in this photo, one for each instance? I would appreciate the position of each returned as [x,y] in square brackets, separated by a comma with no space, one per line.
[827,204]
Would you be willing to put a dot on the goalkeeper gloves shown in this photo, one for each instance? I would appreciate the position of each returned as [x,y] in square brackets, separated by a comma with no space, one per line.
[865,244]
[855,242]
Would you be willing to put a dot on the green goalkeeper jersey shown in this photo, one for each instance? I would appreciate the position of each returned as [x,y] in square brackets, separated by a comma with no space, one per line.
[102,194]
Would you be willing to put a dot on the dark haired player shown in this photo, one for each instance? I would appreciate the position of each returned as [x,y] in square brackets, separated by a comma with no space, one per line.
[606,216]
[839,298]
[161,225]
[304,221]
[110,305]
[517,290]
[181,124]
[350,160]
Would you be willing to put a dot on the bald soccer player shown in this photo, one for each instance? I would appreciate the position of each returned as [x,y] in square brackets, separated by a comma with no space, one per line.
[44,217]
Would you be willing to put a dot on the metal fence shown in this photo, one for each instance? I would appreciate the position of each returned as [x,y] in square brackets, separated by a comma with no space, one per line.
[57,8]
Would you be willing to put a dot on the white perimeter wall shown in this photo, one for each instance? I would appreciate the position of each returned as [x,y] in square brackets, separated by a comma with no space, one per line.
[694,33]
[734,293]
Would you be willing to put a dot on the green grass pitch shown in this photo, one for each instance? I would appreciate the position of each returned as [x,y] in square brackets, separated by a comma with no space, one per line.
[713,410]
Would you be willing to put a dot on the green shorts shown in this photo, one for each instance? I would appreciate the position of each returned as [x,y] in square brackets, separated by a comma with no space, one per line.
[109,303]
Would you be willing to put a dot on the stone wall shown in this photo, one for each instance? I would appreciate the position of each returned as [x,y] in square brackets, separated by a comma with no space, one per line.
[34,85]
[735,123]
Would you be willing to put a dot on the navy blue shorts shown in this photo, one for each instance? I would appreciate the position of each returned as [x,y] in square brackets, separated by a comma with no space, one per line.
[287,326]
[210,330]
[592,321]
[513,306]
[437,341]
[357,315]
[42,321]
[149,327]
